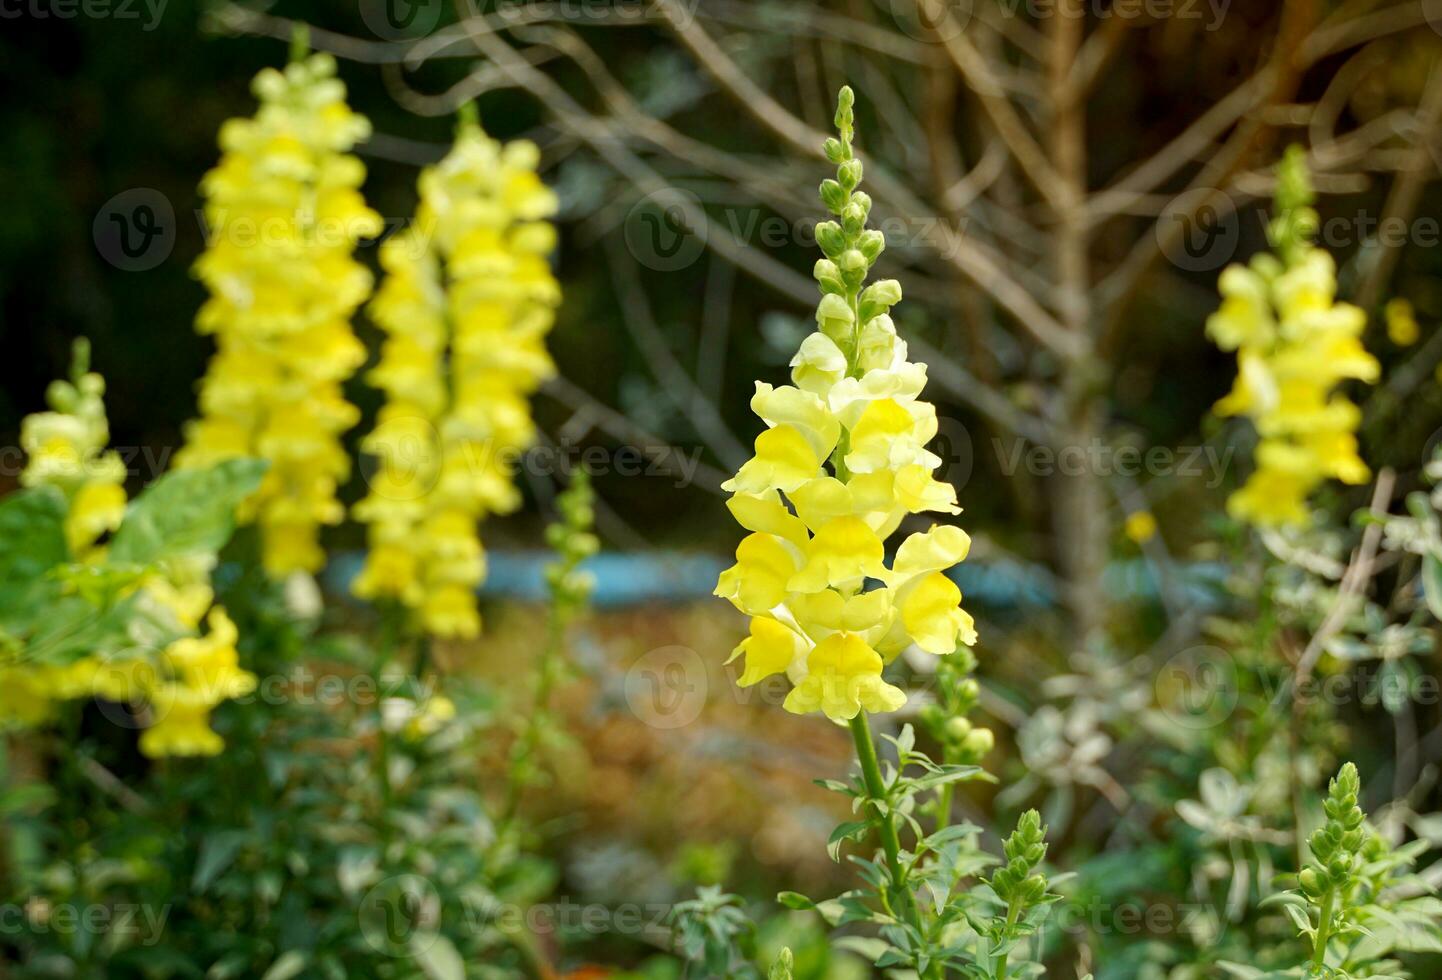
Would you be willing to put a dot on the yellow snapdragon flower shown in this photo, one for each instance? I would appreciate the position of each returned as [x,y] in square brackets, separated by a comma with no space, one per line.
[66,448]
[284,213]
[197,673]
[842,461]
[466,302]
[1295,343]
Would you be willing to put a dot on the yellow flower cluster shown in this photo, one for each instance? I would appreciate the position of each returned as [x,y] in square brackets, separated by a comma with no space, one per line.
[827,611]
[466,303]
[66,449]
[284,212]
[1295,343]
[196,674]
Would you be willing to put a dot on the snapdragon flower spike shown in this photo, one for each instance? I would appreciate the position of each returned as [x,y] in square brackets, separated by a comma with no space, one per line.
[68,450]
[1294,345]
[1337,844]
[842,461]
[467,300]
[1017,882]
[284,212]
[572,540]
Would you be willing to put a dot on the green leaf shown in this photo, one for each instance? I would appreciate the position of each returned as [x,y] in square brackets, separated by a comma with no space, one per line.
[287,965]
[32,542]
[217,851]
[1432,583]
[1299,919]
[853,831]
[185,512]
[795,900]
[437,956]
[950,774]
[868,948]
[65,628]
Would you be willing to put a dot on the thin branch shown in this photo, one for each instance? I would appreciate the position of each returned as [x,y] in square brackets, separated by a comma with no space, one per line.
[678,384]
[1404,196]
[619,426]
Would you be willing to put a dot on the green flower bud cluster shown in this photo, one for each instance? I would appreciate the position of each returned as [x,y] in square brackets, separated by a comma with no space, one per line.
[782,968]
[851,249]
[1336,845]
[963,743]
[1291,231]
[573,542]
[1018,883]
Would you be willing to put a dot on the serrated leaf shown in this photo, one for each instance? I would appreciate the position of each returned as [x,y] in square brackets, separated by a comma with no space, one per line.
[185,512]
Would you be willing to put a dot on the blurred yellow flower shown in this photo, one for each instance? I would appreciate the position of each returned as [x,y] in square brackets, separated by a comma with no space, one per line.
[1295,344]
[66,448]
[284,212]
[1140,526]
[200,672]
[466,303]
[1402,327]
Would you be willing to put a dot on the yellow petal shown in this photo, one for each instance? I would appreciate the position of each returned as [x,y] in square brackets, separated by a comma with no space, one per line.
[784,460]
[843,676]
[935,550]
[822,500]
[843,552]
[933,616]
[758,580]
[770,649]
[818,365]
[766,513]
[889,435]
[802,410]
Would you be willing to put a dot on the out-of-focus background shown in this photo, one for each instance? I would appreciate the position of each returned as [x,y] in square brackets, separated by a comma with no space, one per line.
[1024,202]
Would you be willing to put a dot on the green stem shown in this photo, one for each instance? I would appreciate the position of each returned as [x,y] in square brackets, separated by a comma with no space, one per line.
[943,795]
[531,734]
[886,825]
[1324,928]
[390,627]
[1011,911]
[299,42]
